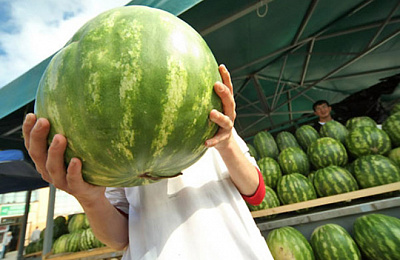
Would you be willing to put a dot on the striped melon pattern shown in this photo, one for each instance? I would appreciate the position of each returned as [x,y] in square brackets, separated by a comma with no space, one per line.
[305,135]
[334,180]
[327,151]
[375,170]
[360,121]
[394,155]
[73,241]
[392,127]
[265,145]
[285,140]
[270,170]
[294,160]
[89,241]
[270,201]
[132,92]
[378,236]
[252,151]
[395,109]
[333,242]
[335,130]
[367,140]
[288,243]
[295,187]
[60,245]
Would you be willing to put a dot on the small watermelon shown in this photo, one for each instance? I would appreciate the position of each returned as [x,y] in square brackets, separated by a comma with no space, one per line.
[335,130]
[285,140]
[356,122]
[270,200]
[305,135]
[327,151]
[270,170]
[288,243]
[394,155]
[392,127]
[367,140]
[375,170]
[333,242]
[334,180]
[294,159]
[265,145]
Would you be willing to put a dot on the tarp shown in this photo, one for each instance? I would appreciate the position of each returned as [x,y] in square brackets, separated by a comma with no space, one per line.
[16,174]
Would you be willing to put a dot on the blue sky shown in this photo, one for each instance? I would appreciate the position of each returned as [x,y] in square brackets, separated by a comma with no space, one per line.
[32,30]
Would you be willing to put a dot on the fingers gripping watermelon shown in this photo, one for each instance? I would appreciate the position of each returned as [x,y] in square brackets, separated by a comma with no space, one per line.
[132,92]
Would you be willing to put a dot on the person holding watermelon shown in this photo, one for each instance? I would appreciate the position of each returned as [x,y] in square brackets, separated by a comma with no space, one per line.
[200,214]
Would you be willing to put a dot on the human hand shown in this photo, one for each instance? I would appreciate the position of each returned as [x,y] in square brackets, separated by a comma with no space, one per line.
[226,119]
[50,164]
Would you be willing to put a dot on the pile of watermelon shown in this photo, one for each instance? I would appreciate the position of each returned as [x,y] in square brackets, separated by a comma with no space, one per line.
[80,236]
[339,158]
[374,236]
[71,234]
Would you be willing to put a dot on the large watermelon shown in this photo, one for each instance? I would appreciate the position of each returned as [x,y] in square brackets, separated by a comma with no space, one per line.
[327,151]
[333,242]
[335,130]
[270,200]
[334,180]
[375,170]
[359,121]
[394,155]
[295,187]
[285,140]
[378,236]
[270,170]
[287,243]
[132,92]
[305,135]
[265,145]
[367,140]
[392,127]
[294,159]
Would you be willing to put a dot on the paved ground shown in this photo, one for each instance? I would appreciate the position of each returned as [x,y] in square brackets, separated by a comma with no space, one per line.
[11,255]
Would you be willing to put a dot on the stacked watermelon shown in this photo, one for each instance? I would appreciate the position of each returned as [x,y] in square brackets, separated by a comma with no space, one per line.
[60,227]
[338,159]
[374,236]
[79,237]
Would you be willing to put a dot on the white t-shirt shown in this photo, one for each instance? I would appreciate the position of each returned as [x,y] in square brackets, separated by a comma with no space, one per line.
[198,215]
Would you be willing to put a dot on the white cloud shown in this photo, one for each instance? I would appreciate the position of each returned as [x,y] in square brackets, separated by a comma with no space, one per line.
[31,31]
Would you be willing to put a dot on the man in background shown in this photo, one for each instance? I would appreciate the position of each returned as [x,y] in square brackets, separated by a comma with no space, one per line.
[35,234]
[322,109]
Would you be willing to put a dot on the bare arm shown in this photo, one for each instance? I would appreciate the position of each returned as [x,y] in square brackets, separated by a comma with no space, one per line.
[49,162]
[243,173]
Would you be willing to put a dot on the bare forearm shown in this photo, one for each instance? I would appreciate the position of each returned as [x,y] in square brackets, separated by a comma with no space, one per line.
[108,224]
[243,173]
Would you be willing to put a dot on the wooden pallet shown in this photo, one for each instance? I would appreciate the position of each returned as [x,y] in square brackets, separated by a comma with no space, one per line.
[328,200]
[97,253]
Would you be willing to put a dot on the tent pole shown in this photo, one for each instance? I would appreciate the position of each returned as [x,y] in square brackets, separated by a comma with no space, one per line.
[22,233]
[48,234]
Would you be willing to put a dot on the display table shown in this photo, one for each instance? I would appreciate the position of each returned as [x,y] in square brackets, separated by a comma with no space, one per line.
[97,253]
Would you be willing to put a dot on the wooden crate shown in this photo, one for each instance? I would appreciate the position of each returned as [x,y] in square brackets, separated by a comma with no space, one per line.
[96,253]
[328,200]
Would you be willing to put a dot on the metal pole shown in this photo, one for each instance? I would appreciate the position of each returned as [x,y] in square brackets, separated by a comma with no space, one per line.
[48,234]
[22,233]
